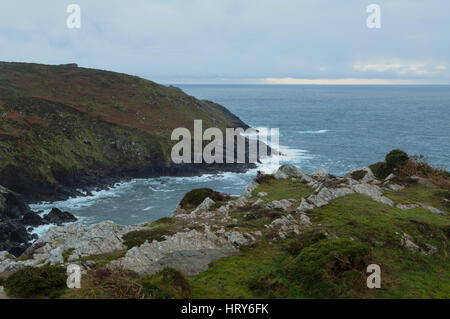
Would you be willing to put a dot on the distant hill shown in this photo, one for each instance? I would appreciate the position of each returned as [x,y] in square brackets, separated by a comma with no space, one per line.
[64,127]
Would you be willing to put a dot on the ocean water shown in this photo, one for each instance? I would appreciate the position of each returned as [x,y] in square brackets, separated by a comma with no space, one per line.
[337,127]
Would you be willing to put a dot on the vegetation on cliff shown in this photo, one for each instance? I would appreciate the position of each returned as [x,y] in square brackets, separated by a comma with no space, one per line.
[62,126]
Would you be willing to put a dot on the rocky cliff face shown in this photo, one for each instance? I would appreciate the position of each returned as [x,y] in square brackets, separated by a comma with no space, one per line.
[63,128]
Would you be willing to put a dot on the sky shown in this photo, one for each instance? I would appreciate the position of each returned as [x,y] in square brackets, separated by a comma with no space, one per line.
[237,41]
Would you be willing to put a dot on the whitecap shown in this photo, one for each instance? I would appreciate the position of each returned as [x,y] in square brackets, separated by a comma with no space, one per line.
[313,132]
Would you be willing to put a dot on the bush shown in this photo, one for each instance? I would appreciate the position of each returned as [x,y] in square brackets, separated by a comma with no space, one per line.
[168,283]
[264,178]
[196,196]
[109,283]
[395,159]
[302,241]
[37,282]
[380,170]
[325,267]
[357,175]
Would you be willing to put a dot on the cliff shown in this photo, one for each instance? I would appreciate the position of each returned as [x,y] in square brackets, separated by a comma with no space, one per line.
[65,127]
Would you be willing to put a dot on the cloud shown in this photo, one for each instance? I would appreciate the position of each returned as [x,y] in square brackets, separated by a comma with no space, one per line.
[344,81]
[401,68]
[202,40]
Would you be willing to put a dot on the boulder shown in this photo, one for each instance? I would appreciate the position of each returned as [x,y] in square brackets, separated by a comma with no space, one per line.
[305,220]
[288,170]
[249,189]
[320,172]
[204,206]
[33,219]
[236,238]
[190,252]
[373,191]
[59,217]
[283,204]
[304,206]
[407,242]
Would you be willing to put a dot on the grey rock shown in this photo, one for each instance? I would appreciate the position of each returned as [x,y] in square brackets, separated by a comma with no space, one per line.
[194,249]
[288,170]
[205,205]
[431,209]
[304,206]
[283,204]
[320,172]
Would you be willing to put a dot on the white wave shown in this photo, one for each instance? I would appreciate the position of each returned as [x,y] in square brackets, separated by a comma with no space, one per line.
[313,132]
[147,208]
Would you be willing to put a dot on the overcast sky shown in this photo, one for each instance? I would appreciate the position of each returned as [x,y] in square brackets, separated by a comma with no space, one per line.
[237,41]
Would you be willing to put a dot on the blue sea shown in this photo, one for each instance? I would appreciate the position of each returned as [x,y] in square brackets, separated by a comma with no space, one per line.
[337,127]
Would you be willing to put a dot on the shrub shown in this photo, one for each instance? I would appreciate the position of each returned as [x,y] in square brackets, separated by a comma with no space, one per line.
[357,175]
[267,285]
[196,196]
[395,159]
[109,283]
[304,240]
[37,282]
[264,178]
[325,267]
[138,237]
[380,170]
[168,283]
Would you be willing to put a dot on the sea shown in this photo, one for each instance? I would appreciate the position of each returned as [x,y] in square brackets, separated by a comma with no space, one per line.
[338,127]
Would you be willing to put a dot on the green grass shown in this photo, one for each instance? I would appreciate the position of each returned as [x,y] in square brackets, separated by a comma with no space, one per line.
[421,194]
[304,266]
[283,189]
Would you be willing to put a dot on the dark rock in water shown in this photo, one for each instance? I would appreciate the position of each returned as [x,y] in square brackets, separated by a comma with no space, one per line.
[59,217]
[33,219]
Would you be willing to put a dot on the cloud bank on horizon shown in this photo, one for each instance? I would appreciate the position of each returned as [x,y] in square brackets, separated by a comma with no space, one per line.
[235,41]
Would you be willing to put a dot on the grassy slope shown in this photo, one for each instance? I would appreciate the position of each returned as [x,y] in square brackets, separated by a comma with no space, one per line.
[264,271]
[56,119]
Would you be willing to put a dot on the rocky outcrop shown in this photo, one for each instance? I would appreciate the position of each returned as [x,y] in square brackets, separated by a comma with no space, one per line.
[286,171]
[374,192]
[190,252]
[14,237]
[283,204]
[59,217]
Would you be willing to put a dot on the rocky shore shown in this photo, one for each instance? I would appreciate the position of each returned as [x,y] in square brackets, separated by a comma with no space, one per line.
[211,229]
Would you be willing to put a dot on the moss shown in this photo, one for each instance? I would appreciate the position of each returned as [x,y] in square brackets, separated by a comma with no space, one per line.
[167,283]
[37,282]
[196,196]
[138,237]
[357,175]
